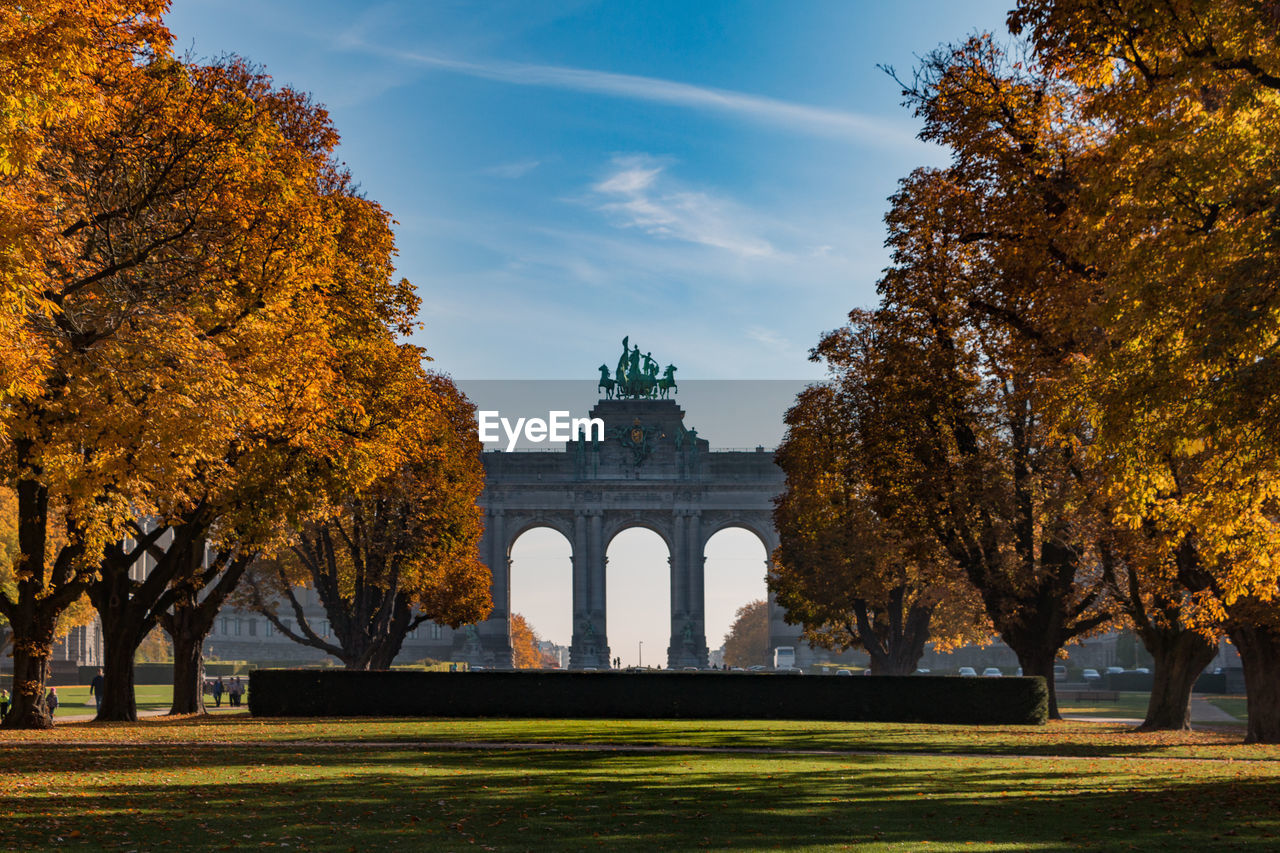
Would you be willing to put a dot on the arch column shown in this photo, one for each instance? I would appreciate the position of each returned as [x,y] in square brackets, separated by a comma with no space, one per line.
[688,644]
[590,645]
[489,642]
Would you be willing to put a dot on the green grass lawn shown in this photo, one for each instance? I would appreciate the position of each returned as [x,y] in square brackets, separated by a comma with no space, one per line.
[1128,705]
[74,701]
[233,782]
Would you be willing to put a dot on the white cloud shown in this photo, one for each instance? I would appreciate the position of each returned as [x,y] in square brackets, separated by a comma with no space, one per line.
[785,115]
[638,195]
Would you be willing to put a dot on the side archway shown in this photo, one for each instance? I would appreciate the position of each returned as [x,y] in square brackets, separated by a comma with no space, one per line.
[737,563]
[541,587]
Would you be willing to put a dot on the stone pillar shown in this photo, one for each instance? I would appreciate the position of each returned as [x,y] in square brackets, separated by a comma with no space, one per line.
[489,643]
[688,618]
[590,646]
[697,610]
[678,559]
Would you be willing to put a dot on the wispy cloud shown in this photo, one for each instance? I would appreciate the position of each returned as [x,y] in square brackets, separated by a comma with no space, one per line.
[786,115]
[638,196]
[511,171]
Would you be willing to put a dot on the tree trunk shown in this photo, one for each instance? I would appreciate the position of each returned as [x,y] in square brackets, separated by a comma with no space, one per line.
[188,664]
[118,701]
[389,646]
[30,674]
[897,649]
[1259,647]
[1180,656]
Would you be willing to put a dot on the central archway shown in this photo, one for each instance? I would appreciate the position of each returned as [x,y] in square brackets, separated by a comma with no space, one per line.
[638,596]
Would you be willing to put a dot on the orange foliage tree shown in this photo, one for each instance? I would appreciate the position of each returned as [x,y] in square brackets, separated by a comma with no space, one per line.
[841,571]
[59,62]
[524,644]
[401,550]
[747,643]
[1183,393]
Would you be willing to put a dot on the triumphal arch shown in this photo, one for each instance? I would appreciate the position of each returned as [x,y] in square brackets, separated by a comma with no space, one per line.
[646,468]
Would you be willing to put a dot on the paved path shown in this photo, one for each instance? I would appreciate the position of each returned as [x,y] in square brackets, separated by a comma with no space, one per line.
[1204,714]
[85,718]
[1204,711]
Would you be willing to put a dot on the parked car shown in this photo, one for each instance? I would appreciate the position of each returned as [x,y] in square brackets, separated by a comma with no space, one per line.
[844,672]
[1145,671]
[922,671]
[969,671]
[1114,669]
[992,672]
[1091,675]
[1059,672]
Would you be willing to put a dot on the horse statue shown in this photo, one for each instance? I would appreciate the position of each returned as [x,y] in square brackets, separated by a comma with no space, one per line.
[667,384]
[606,384]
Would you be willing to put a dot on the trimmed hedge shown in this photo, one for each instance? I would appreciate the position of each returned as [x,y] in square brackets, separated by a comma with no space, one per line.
[647,695]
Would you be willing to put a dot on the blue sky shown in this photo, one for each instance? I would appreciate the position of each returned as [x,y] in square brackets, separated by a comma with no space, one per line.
[708,178]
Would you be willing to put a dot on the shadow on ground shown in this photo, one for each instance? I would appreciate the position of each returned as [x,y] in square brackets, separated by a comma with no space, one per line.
[334,798]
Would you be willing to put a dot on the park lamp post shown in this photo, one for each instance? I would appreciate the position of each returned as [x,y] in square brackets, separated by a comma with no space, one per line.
[640,655]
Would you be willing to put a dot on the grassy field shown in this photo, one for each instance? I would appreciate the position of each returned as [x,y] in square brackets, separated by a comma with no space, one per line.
[76,701]
[1127,705]
[234,782]
[1134,705]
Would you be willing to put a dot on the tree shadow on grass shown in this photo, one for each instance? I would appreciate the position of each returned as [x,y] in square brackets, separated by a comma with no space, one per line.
[1078,740]
[334,799]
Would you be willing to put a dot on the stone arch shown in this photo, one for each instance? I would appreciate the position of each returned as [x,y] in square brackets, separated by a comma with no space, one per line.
[515,583]
[638,558]
[736,567]
[657,523]
[668,481]
[518,525]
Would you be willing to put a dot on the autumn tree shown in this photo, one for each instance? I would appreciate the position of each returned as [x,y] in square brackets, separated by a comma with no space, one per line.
[840,570]
[972,462]
[747,643]
[59,63]
[1018,197]
[524,644]
[152,328]
[321,268]
[402,550]
[1184,396]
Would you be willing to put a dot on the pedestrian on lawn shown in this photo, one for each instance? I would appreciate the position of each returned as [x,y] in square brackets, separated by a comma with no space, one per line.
[95,689]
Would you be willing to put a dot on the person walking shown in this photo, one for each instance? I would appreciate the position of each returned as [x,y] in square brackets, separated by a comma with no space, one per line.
[237,690]
[218,689]
[51,701]
[4,703]
[95,689]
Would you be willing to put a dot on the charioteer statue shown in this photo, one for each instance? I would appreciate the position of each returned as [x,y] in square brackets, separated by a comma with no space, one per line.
[636,376]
